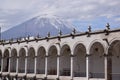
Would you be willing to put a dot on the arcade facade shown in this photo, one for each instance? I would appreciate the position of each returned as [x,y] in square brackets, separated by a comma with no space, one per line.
[80,57]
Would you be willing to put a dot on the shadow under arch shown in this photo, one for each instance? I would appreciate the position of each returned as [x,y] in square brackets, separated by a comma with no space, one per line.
[13,60]
[31,60]
[6,60]
[21,61]
[96,61]
[41,53]
[52,60]
[113,60]
[79,64]
[65,60]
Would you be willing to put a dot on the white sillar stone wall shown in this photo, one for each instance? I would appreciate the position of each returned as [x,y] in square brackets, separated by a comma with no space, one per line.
[96,63]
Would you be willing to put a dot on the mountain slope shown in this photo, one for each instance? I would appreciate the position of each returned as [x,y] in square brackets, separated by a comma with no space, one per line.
[38,25]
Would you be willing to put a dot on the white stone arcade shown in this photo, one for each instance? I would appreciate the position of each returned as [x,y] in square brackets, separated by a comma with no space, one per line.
[78,56]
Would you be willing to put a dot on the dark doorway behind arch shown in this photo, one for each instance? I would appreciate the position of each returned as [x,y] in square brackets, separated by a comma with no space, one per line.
[6,61]
[41,53]
[13,60]
[52,61]
[31,60]
[96,61]
[114,60]
[65,61]
[79,66]
[21,62]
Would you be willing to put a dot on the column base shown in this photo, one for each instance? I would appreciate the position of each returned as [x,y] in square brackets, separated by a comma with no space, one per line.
[8,76]
[24,78]
[34,78]
[57,79]
[45,78]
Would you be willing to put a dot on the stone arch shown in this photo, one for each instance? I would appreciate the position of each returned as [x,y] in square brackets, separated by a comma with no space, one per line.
[6,60]
[41,53]
[21,61]
[110,42]
[52,60]
[31,60]
[96,60]
[65,58]
[94,41]
[52,45]
[114,60]
[13,60]
[79,66]
[74,46]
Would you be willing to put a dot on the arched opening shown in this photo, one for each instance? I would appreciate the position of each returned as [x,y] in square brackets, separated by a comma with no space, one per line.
[79,61]
[0,59]
[31,60]
[96,61]
[21,62]
[52,61]
[6,61]
[114,60]
[65,63]
[13,60]
[41,60]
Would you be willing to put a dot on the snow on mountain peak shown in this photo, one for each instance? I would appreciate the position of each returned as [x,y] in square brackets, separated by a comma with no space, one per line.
[57,22]
[39,25]
[46,16]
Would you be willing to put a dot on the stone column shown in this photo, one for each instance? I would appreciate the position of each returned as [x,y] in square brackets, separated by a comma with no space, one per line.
[26,64]
[2,64]
[106,67]
[46,68]
[72,56]
[58,66]
[9,60]
[35,69]
[1,67]
[17,64]
[87,66]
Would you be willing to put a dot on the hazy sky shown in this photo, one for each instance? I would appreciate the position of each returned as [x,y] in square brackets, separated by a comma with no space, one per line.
[81,13]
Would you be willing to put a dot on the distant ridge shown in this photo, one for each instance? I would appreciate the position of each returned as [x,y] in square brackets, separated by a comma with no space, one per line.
[39,25]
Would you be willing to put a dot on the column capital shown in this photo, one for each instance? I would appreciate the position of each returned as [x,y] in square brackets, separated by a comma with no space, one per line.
[105,55]
[47,55]
[10,56]
[35,56]
[26,56]
[72,55]
[88,55]
[58,55]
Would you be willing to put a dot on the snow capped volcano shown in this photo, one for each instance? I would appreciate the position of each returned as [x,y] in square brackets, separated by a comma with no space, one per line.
[39,25]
